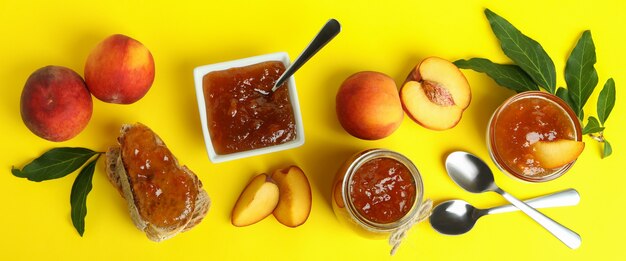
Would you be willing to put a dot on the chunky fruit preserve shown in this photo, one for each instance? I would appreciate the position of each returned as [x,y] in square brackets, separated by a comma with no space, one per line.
[382,190]
[524,121]
[163,192]
[243,113]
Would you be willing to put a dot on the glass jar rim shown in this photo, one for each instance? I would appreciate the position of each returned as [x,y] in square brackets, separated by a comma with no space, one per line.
[366,156]
[493,152]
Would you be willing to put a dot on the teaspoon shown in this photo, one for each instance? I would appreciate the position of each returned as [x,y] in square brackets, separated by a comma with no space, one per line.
[328,32]
[473,175]
[456,217]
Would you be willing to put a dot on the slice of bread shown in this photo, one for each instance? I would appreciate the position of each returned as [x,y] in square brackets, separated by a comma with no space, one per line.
[170,210]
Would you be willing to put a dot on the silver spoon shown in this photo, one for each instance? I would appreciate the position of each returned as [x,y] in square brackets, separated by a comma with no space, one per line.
[328,32]
[456,217]
[473,175]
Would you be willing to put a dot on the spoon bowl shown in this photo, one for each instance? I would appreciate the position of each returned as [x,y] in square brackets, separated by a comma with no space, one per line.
[470,172]
[453,217]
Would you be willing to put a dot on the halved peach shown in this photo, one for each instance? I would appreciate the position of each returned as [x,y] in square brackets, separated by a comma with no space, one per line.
[294,204]
[257,201]
[555,154]
[435,94]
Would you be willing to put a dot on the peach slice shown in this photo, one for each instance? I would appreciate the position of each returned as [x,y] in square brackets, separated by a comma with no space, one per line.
[555,154]
[435,94]
[294,204]
[256,201]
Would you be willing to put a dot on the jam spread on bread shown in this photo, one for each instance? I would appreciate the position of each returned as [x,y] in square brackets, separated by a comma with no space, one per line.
[164,194]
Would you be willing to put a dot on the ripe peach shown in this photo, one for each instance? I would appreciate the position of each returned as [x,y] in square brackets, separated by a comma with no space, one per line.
[55,103]
[368,106]
[119,70]
[294,203]
[256,201]
[435,94]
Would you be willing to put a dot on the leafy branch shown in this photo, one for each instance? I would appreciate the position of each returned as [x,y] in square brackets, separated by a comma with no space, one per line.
[59,162]
[533,68]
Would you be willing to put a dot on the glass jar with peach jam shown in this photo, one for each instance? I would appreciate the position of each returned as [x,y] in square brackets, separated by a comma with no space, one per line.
[377,191]
[520,122]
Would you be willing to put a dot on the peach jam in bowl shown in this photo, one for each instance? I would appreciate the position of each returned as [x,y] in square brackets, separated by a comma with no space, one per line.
[520,127]
[377,191]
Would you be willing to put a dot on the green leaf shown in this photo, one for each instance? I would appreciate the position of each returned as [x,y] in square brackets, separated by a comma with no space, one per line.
[78,197]
[507,75]
[592,126]
[607,149]
[564,95]
[55,163]
[524,51]
[606,100]
[580,75]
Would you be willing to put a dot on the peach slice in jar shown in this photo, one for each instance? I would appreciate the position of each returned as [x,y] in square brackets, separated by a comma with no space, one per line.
[557,153]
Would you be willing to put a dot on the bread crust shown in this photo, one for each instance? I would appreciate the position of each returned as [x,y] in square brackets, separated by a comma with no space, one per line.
[117,175]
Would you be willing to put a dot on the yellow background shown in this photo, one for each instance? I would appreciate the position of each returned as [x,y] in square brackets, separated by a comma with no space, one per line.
[385,36]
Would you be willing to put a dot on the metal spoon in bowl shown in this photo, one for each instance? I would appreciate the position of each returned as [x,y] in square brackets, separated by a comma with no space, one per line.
[328,32]
[473,175]
[456,217]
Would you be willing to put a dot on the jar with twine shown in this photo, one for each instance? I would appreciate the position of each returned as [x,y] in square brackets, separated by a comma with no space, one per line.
[348,213]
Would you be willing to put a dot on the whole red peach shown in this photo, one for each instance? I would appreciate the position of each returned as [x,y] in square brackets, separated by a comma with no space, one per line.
[119,70]
[55,103]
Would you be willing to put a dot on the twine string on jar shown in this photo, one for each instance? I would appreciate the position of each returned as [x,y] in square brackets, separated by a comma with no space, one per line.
[423,213]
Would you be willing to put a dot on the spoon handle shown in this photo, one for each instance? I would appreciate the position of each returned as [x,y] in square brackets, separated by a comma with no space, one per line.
[567,236]
[328,32]
[568,197]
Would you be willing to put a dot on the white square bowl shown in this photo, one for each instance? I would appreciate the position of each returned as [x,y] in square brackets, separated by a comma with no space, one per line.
[199,73]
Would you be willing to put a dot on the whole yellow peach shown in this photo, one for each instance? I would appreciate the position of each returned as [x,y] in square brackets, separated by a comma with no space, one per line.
[368,105]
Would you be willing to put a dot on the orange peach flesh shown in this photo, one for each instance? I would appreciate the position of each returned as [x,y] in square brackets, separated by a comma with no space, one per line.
[426,113]
[448,76]
[435,94]
[294,205]
[257,201]
[555,154]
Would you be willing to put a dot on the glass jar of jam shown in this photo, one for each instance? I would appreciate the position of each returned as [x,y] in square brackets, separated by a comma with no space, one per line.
[521,121]
[376,191]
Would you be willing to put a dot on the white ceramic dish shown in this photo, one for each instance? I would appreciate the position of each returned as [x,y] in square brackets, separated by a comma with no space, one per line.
[199,73]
